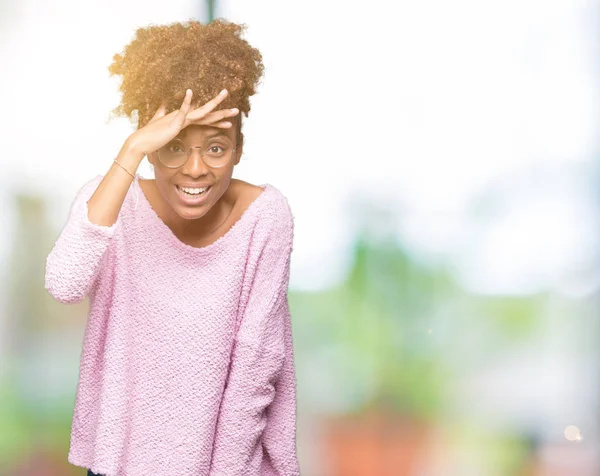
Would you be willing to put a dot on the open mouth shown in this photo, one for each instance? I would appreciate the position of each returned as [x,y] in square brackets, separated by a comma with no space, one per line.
[192,192]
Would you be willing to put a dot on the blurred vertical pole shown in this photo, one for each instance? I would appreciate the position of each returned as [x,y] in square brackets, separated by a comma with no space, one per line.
[210,5]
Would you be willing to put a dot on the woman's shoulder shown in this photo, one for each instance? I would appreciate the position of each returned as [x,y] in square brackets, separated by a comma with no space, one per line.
[245,192]
[273,206]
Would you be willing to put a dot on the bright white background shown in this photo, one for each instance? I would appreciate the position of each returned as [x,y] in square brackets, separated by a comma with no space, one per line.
[424,106]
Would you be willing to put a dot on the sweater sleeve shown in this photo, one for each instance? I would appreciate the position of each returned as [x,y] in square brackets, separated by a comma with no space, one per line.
[256,427]
[279,437]
[74,261]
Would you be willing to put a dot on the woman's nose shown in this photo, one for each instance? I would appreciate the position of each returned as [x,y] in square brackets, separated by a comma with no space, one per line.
[195,164]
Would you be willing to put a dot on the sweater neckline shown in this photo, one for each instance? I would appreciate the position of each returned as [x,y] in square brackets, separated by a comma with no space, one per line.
[219,242]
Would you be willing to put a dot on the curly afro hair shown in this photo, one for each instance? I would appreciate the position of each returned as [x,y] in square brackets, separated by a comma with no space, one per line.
[162,61]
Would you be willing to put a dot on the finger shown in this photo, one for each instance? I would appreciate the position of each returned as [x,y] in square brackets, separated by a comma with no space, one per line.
[183,110]
[223,124]
[212,116]
[160,112]
[210,105]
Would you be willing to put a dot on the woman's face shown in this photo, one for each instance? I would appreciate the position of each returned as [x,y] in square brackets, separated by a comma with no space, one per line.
[195,173]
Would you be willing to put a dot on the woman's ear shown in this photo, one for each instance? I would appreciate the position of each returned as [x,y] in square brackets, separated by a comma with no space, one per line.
[238,154]
[239,150]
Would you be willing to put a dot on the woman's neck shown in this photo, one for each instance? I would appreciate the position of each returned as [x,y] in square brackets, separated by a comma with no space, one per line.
[200,228]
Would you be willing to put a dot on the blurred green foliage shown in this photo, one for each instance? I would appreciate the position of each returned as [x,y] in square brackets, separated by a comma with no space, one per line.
[382,339]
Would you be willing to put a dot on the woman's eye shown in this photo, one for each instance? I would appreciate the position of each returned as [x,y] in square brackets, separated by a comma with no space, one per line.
[174,147]
[212,149]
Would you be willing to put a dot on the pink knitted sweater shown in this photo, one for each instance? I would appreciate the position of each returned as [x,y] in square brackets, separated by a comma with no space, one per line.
[187,363]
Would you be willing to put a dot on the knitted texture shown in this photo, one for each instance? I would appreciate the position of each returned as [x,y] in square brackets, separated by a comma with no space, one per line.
[187,362]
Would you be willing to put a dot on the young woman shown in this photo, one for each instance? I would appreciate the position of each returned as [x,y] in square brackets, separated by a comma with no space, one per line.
[187,365]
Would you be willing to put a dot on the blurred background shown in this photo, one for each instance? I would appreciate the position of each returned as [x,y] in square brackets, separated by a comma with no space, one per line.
[441,160]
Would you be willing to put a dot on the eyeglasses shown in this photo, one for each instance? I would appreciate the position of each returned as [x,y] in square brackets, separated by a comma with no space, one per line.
[215,153]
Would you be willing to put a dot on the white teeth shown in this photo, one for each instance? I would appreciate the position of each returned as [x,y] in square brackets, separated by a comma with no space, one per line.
[193,191]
